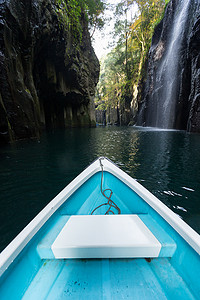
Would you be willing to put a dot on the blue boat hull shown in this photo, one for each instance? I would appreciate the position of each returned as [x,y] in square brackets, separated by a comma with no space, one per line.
[36,274]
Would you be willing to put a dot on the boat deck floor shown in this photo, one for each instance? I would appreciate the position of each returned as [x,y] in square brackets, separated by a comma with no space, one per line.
[107,279]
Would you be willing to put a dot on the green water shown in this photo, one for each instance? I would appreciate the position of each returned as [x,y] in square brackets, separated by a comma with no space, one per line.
[33,172]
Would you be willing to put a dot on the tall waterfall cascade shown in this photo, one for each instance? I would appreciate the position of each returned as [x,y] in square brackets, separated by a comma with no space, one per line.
[166,93]
[168,72]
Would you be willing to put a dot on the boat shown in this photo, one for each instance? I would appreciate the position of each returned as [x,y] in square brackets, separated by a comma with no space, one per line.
[104,236]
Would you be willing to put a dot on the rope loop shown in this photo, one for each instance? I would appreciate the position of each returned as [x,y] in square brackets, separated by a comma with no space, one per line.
[110,202]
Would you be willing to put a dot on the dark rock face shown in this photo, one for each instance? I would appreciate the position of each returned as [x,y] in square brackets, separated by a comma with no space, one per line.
[46,79]
[194,60]
[184,87]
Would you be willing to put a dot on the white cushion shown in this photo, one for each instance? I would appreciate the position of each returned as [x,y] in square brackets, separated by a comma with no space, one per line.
[105,236]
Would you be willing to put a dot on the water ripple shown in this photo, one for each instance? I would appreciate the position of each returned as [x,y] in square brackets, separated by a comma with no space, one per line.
[32,173]
[188,189]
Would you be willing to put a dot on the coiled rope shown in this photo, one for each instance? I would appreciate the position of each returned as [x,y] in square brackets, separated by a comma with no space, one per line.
[110,202]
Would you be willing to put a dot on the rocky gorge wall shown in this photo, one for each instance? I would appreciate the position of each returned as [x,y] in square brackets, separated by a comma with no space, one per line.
[46,78]
[172,83]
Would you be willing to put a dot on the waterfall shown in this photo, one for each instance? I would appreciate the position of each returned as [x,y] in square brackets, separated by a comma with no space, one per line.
[162,103]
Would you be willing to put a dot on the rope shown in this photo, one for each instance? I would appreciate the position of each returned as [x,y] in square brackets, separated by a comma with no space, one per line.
[110,202]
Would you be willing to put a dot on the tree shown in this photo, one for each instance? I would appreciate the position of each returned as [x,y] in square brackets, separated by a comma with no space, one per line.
[95,10]
[142,28]
[70,11]
[122,68]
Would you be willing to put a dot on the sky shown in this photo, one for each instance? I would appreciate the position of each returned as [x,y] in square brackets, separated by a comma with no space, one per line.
[103,38]
[100,42]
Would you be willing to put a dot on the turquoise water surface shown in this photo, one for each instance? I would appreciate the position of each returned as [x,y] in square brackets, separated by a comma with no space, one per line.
[32,172]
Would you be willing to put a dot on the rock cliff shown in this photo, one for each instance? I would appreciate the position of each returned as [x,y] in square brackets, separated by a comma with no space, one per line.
[47,79]
[170,95]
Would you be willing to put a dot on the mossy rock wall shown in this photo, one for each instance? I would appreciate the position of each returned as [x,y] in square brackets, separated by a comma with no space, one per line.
[47,77]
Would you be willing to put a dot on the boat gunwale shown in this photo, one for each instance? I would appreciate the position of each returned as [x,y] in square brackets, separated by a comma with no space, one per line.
[180,226]
[13,249]
[8,255]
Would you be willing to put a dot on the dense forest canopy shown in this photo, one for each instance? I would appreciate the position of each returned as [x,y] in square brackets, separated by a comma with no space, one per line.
[121,69]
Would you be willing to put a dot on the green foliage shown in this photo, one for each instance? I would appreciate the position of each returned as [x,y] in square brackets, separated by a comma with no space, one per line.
[150,12]
[70,13]
[162,15]
[95,9]
[111,83]
[121,71]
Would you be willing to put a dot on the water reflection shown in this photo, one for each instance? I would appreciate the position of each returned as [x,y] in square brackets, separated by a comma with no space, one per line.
[133,162]
[119,145]
[32,173]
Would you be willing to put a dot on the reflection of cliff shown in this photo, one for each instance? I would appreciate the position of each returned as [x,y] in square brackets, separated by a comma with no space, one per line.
[171,94]
[45,79]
